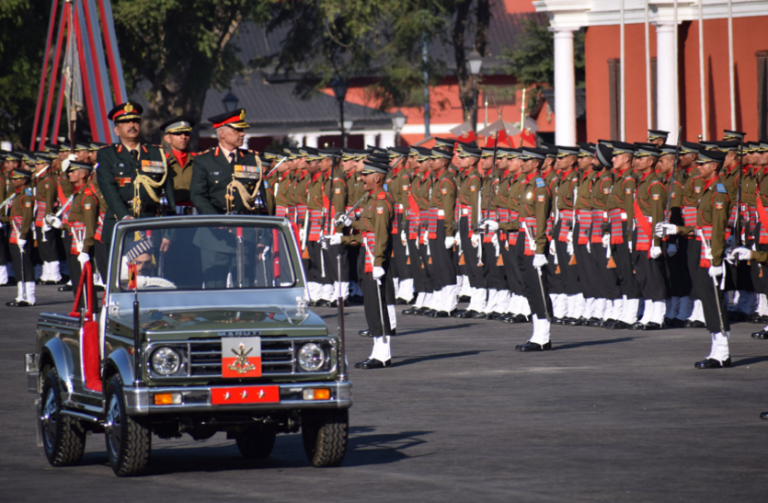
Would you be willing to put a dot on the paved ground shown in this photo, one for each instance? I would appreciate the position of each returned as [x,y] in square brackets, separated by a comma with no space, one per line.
[606,416]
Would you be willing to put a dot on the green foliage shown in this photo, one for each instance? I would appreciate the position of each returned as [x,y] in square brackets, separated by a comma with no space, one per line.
[182,48]
[359,38]
[532,61]
[21,60]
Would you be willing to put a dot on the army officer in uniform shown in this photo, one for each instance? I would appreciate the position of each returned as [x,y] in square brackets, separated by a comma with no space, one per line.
[177,133]
[226,180]
[130,164]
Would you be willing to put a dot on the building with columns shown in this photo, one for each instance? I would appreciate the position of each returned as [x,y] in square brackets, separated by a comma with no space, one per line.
[662,64]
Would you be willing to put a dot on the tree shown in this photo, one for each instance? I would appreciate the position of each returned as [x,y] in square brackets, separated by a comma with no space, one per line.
[21,60]
[381,40]
[181,48]
[532,61]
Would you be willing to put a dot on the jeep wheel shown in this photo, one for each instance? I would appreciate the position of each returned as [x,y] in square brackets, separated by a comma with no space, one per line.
[129,439]
[63,436]
[256,442]
[325,433]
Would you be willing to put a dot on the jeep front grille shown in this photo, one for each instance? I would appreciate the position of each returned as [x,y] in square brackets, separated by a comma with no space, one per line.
[277,357]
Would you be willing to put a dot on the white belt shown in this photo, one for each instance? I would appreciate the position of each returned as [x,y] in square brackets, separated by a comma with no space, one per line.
[465,211]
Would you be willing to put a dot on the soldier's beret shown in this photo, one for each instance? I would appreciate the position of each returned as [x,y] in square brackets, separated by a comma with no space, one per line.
[620,147]
[655,134]
[529,153]
[733,135]
[234,119]
[68,166]
[125,112]
[687,147]
[604,155]
[467,151]
[20,172]
[370,167]
[707,155]
[646,150]
[442,154]
[565,151]
[180,124]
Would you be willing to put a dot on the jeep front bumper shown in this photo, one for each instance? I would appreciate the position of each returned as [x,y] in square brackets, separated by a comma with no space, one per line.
[267,397]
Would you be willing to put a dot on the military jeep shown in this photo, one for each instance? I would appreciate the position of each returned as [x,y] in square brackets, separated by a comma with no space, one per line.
[204,328]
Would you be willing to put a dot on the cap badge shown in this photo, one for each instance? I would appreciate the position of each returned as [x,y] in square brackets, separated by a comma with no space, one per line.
[128,108]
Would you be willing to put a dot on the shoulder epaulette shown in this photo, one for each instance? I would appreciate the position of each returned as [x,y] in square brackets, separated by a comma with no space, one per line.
[721,188]
[382,195]
[540,182]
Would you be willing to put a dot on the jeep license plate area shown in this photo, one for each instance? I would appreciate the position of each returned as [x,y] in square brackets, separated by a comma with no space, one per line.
[245,394]
[240,357]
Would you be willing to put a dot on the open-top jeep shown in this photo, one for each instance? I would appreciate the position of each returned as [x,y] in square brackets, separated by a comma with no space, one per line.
[210,333]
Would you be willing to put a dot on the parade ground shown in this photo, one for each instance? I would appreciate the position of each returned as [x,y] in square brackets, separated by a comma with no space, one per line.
[606,416]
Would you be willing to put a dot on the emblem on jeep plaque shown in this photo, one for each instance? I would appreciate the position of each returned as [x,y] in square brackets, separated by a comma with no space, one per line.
[241,365]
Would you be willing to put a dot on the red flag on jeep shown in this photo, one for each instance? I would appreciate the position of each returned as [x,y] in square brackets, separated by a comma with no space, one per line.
[132,271]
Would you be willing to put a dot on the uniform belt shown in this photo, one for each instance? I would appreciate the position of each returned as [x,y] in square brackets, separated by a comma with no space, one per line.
[465,211]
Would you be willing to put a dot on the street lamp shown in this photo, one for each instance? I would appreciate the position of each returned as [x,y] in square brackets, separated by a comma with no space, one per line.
[230,102]
[398,121]
[475,61]
[339,86]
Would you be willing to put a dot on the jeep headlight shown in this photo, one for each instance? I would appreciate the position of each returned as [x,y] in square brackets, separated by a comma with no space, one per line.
[311,357]
[166,361]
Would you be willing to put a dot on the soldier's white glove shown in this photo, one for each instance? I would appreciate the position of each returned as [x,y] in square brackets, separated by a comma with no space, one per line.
[404,238]
[715,271]
[323,242]
[552,248]
[334,239]
[21,243]
[302,235]
[569,247]
[83,258]
[629,245]
[739,253]
[495,243]
[665,229]
[606,240]
[539,260]
[655,251]
[53,221]
[79,247]
[345,220]
[425,238]
[378,272]
[489,225]
[475,240]
[1,225]
[671,249]
[450,241]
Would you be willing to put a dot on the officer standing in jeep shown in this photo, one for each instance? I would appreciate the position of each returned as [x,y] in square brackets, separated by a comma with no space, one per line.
[132,175]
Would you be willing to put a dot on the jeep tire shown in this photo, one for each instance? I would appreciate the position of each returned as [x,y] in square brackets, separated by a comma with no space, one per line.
[128,439]
[256,442]
[325,434]
[63,436]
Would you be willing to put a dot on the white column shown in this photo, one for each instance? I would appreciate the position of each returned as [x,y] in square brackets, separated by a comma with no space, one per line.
[246,139]
[369,138]
[565,88]
[666,97]
[387,139]
[311,139]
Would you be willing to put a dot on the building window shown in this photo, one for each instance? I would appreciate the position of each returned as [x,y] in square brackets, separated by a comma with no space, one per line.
[762,94]
[614,90]
[506,95]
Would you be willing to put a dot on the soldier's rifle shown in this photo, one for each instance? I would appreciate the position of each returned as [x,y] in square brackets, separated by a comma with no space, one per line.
[737,223]
[674,172]
[7,201]
[275,168]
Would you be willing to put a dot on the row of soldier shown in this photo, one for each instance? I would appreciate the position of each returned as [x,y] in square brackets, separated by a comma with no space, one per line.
[613,235]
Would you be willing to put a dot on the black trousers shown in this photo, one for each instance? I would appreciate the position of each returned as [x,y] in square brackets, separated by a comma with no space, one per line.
[706,292]
[5,252]
[512,269]
[315,270]
[650,276]
[425,253]
[625,269]
[47,248]
[376,297]
[29,266]
[495,277]
[421,280]
[678,275]
[400,268]
[536,292]
[331,263]
[475,272]
[692,253]
[443,269]
[569,273]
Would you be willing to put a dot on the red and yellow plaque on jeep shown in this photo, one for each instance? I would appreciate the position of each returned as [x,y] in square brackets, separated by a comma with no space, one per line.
[240,357]
[245,394]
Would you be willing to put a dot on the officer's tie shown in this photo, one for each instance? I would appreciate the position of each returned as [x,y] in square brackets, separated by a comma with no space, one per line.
[232,159]
[135,155]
